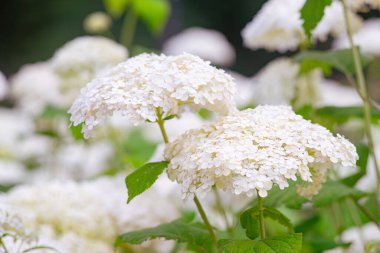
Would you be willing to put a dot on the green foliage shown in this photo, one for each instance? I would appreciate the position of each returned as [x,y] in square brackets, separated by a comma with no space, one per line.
[116,7]
[181,230]
[154,13]
[339,59]
[76,132]
[321,244]
[51,112]
[311,13]
[363,152]
[141,179]
[138,149]
[343,114]
[249,220]
[332,191]
[288,197]
[291,243]
[308,65]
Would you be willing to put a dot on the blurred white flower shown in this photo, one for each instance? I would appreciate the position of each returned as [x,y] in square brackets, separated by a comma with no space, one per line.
[279,83]
[208,44]
[245,89]
[148,83]
[367,38]
[35,86]
[359,237]
[87,216]
[11,172]
[333,93]
[82,58]
[254,149]
[97,22]
[4,86]
[363,5]
[278,25]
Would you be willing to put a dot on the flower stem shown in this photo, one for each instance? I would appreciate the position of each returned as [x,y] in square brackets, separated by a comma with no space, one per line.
[261,216]
[205,220]
[360,82]
[160,121]
[128,29]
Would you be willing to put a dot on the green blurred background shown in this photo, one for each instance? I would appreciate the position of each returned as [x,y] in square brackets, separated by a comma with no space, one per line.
[31,30]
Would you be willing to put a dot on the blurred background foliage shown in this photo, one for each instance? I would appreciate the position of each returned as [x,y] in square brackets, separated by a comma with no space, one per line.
[31,30]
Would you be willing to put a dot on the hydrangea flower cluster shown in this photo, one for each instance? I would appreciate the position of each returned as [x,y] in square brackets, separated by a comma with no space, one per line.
[81,59]
[144,84]
[254,149]
[278,25]
[97,213]
[279,83]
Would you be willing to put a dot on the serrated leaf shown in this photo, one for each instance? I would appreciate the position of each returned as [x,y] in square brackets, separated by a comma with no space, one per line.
[332,191]
[143,178]
[249,220]
[311,13]
[181,230]
[339,59]
[281,244]
[363,152]
[116,7]
[154,13]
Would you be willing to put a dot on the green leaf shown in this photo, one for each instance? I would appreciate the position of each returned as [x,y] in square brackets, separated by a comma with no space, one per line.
[153,12]
[181,230]
[308,65]
[363,152]
[51,112]
[116,7]
[288,197]
[343,114]
[141,179]
[322,244]
[341,60]
[332,191]
[281,244]
[76,132]
[138,149]
[311,13]
[249,220]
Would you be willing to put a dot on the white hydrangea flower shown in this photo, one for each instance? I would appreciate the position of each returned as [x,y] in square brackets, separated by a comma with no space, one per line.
[97,22]
[11,172]
[254,149]
[208,44]
[333,93]
[4,88]
[146,83]
[82,58]
[367,38]
[279,83]
[35,86]
[278,25]
[88,216]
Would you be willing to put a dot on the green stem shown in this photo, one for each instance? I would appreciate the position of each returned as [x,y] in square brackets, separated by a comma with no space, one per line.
[261,216]
[360,82]
[160,121]
[223,212]
[205,220]
[128,29]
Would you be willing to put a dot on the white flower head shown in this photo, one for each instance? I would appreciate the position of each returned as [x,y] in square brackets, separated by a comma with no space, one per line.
[254,149]
[278,25]
[36,86]
[82,58]
[144,84]
[279,83]
[367,38]
[4,87]
[208,44]
[97,22]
